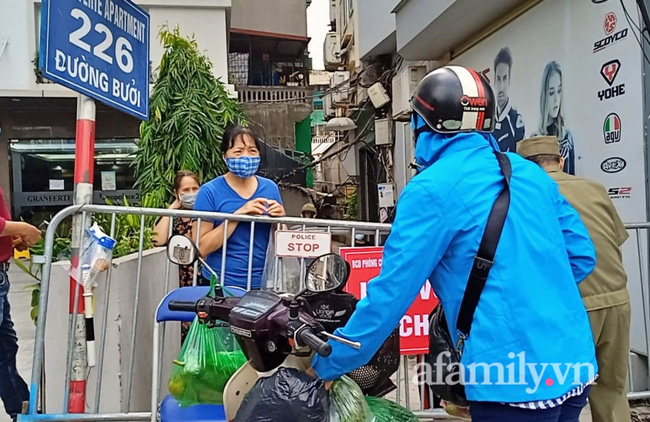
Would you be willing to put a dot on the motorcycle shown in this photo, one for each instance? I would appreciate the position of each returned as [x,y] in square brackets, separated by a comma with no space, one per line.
[333,309]
[274,330]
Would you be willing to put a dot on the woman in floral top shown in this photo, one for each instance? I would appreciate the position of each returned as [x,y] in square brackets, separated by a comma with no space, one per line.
[186,187]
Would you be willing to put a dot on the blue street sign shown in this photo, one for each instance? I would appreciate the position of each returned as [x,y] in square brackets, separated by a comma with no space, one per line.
[99,48]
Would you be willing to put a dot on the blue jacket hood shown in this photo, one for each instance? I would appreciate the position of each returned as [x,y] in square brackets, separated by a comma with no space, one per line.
[431,146]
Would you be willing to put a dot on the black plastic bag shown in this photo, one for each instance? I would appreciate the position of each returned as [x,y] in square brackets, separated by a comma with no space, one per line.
[287,395]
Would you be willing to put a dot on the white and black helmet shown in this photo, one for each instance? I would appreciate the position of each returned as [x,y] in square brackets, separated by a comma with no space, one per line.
[455,99]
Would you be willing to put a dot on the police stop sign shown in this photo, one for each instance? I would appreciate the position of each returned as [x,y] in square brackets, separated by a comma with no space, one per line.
[302,244]
[365,264]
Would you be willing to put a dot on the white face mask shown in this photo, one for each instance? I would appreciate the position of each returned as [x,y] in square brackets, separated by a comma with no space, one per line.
[188,200]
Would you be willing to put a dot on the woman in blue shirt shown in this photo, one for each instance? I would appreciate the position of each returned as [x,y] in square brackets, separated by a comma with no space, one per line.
[239,191]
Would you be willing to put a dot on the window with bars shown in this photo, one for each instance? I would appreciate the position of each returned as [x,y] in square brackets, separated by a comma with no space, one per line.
[238,66]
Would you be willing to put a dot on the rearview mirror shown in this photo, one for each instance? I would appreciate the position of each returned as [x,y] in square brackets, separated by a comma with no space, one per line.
[326,273]
[181,250]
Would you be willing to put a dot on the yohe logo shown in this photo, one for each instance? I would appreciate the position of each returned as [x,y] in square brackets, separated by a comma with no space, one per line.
[473,103]
[620,193]
[613,165]
[611,37]
[609,72]
[612,129]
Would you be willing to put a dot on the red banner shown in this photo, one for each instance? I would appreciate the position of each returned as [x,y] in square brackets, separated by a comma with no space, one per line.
[365,264]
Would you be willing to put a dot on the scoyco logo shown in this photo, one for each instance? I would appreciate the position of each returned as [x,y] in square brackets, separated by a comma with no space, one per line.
[609,72]
[610,23]
[612,129]
[613,165]
[611,37]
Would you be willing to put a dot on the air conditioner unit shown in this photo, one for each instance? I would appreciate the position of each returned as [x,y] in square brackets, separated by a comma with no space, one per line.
[340,94]
[327,106]
[331,50]
[383,132]
[404,84]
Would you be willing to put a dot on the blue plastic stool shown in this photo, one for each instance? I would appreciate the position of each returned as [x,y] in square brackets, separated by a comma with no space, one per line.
[170,409]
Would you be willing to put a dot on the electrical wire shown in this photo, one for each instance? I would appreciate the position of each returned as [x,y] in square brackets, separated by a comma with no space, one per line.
[632,26]
[643,31]
[642,11]
[361,138]
[631,22]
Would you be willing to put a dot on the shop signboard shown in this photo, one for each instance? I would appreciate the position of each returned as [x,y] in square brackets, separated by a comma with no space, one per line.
[365,264]
[64,198]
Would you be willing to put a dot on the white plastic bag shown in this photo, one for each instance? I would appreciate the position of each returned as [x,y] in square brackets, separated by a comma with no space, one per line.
[281,274]
[95,258]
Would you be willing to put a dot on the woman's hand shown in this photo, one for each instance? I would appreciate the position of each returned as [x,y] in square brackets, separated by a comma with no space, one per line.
[176,205]
[254,207]
[276,209]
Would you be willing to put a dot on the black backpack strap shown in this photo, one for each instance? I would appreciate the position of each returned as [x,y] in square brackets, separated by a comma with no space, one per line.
[485,256]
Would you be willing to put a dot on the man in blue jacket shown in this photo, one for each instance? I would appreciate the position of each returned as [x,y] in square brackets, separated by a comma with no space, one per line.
[531,354]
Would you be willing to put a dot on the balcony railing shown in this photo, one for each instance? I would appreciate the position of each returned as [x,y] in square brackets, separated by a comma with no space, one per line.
[274,94]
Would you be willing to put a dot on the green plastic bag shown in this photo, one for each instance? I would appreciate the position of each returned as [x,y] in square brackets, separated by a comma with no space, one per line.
[347,403]
[388,411]
[208,359]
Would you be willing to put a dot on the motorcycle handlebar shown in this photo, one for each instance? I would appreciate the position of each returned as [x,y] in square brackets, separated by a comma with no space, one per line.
[308,338]
[177,305]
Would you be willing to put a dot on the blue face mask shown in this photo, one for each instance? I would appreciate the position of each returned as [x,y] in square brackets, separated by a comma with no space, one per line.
[243,167]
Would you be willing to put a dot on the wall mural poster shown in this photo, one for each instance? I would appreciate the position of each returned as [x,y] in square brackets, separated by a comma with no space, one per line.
[573,69]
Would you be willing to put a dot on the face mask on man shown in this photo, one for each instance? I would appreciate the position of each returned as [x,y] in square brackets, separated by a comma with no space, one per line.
[188,200]
[243,167]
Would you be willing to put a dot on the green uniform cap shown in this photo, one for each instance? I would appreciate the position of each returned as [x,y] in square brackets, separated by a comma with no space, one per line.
[538,145]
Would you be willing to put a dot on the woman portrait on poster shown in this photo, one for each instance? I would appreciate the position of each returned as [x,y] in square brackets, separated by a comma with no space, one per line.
[552,121]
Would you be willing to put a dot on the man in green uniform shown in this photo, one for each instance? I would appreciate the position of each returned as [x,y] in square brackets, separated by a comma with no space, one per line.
[605,291]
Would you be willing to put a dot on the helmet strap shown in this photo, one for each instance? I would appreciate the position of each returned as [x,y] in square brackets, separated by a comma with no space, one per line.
[417,132]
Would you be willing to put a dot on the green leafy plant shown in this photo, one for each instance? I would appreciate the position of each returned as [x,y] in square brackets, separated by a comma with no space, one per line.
[352,207]
[127,228]
[190,110]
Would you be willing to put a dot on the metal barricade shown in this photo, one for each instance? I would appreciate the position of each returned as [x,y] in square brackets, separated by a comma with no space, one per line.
[128,410]
[639,280]
[407,394]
